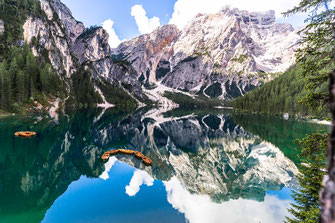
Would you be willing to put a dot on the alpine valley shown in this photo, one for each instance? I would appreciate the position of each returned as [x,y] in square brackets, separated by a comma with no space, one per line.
[200,124]
[215,58]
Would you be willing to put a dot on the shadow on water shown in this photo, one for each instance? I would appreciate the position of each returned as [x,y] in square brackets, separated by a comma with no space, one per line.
[221,150]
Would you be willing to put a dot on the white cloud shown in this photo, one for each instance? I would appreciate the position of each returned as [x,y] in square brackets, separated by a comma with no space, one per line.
[200,208]
[114,40]
[144,24]
[139,178]
[108,167]
[185,10]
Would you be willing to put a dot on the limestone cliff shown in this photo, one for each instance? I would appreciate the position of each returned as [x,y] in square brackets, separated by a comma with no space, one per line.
[68,45]
[221,55]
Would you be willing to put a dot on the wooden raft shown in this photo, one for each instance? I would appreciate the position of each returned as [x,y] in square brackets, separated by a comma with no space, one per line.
[26,134]
[146,160]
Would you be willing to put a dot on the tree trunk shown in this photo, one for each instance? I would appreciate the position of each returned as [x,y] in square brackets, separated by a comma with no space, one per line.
[327,195]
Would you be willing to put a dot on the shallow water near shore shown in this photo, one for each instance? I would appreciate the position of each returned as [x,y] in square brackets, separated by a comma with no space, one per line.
[207,167]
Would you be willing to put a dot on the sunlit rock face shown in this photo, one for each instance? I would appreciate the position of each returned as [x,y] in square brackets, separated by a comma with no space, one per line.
[208,155]
[226,54]
[221,55]
[223,37]
[69,46]
[72,27]
[92,48]
[54,36]
[146,51]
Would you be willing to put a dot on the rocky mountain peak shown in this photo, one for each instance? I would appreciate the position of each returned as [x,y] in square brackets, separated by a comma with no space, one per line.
[259,18]
[221,55]
[72,27]
[55,33]
[145,51]
[92,45]
[229,53]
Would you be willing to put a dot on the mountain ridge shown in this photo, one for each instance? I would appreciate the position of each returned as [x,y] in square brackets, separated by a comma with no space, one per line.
[216,56]
[230,48]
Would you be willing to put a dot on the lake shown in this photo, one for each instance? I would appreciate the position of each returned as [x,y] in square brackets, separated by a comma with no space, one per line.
[208,167]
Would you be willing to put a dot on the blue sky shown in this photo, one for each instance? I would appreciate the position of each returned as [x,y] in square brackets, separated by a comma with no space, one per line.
[126,21]
[95,12]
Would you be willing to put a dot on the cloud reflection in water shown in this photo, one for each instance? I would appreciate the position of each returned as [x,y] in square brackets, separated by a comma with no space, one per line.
[108,167]
[139,178]
[200,208]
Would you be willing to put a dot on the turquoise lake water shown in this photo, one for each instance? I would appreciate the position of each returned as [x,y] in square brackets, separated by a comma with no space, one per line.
[207,167]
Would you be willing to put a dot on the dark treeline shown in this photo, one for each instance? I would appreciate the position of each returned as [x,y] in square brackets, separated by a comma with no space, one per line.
[24,79]
[116,95]
[83,89]
[282,95]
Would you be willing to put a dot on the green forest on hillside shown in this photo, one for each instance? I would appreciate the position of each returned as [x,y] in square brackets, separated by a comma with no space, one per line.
[282,95]
[24,78]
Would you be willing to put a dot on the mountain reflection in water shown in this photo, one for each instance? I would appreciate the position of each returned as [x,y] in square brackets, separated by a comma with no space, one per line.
[205,168]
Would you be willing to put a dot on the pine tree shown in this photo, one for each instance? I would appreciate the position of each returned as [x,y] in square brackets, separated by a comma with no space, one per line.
[7,90]
[2,85]
[46,79]
[33,73]
[317,56]
[21,93]
[20,60]
[313,152]
[13,71]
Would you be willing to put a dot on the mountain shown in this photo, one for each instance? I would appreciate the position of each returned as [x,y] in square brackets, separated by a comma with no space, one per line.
[221,55]
[79,57]
[208,154]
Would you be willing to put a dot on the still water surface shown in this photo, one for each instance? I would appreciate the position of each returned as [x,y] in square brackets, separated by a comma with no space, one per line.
[207,168]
